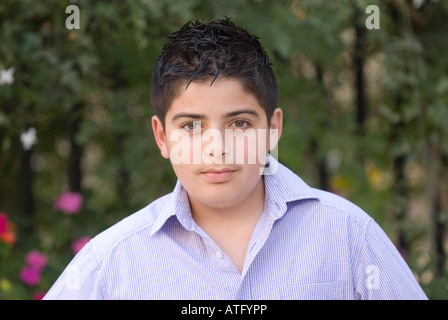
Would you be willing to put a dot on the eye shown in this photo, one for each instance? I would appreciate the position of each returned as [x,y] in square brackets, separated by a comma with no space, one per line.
[240,123]
[192,125]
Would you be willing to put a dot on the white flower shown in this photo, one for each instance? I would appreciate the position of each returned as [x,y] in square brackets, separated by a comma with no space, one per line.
[333,159]
[6,76]
[28,138]
[418,3]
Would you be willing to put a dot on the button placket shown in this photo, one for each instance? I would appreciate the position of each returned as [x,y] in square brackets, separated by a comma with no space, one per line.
[259,237]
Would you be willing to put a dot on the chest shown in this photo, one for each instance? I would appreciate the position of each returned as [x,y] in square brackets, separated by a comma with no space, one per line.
[281,261]
[277,271]
[234,245]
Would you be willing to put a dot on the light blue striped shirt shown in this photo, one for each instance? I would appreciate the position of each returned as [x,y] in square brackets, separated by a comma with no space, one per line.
[308,244]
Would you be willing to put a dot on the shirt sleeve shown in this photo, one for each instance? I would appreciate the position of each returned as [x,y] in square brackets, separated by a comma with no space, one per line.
[380,271]
[79,281]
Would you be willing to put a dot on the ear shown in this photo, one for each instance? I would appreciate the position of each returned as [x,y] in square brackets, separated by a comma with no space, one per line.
[159,135]
[275,128]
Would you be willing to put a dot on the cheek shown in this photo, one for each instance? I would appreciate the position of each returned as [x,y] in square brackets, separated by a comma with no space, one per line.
[179,147]
[248,147]
[185,173]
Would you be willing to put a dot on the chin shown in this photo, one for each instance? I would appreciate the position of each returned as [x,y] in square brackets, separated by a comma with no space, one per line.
[217,195]
[220,201]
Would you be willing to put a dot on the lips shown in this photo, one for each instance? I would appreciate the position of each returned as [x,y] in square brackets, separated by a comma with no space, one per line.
[218,176]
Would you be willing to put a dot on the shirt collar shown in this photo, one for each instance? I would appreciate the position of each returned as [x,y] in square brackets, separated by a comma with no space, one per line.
[281,186]
[177,204]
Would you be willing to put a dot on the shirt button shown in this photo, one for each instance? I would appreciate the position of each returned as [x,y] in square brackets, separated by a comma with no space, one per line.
[218,254]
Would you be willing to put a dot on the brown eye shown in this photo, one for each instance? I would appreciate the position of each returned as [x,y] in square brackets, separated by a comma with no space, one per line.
[190,126]
[240,123]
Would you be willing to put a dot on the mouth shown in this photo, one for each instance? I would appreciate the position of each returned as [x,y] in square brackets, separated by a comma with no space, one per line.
[218,176]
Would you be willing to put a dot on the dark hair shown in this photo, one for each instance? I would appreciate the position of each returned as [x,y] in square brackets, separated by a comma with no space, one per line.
[206,51]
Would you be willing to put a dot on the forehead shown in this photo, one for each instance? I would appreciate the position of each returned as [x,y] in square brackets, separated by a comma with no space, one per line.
[223,97]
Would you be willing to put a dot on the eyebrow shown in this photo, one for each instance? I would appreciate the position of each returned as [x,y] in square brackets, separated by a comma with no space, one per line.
[187,115]
[202,116]
[238,112]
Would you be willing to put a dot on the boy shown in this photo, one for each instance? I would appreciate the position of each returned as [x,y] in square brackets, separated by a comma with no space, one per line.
[238,225]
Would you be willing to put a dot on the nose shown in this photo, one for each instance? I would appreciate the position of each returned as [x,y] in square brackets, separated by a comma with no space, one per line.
[216,149]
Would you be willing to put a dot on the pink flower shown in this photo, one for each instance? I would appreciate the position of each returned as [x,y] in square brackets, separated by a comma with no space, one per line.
[36,260]
[30,275]
[7,230]
[69,202]
[39,295]
[3,222]
[79,244]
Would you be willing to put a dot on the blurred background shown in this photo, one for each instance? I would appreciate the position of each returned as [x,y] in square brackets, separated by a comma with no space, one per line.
[366,113]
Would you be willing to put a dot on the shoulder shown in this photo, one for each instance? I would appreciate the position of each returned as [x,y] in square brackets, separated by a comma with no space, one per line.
[136,223]
[328,212]
[287,187]
[338,205]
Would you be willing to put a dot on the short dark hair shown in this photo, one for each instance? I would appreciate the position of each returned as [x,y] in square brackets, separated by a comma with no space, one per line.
[206,51]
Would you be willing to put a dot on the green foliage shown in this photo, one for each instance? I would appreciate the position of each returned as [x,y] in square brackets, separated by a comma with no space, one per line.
[100,76]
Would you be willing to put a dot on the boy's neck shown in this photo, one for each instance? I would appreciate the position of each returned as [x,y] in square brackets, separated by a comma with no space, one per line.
[231,228]
[248,210]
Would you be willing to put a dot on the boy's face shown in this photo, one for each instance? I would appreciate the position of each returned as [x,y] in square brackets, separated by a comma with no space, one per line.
[217,137]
